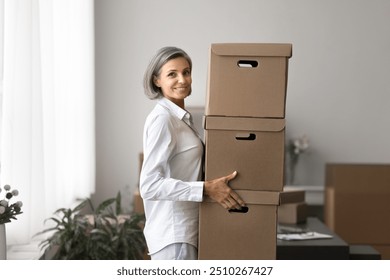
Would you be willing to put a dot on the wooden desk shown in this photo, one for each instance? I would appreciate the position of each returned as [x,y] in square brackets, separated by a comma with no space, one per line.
[315,249]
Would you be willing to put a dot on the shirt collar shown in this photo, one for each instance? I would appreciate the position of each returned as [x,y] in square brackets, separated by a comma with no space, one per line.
[172,107]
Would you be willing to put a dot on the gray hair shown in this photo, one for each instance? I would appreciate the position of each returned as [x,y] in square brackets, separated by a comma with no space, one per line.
[153,70]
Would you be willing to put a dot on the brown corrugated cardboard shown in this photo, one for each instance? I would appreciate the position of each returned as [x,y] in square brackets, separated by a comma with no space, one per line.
[138,204]
[358,218]
[357,202]
[227,235]
[254,147]
[358,178]
[248,80]
[292,195]
[292,213]
[329,207]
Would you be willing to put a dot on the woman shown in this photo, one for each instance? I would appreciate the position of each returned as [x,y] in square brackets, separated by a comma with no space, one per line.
[171,177]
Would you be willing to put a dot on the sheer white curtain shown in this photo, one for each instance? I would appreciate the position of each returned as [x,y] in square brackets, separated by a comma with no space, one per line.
[48,133]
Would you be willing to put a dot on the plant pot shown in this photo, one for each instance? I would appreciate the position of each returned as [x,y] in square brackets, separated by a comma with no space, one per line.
[3,243]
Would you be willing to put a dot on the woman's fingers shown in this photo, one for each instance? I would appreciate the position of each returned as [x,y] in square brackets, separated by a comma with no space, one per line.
[238,199]
[233,200]
[230,177]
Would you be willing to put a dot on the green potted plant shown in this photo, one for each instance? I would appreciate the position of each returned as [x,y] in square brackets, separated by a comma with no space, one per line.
[106,234]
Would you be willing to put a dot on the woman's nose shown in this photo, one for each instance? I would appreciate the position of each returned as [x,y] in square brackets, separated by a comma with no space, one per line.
[181,78]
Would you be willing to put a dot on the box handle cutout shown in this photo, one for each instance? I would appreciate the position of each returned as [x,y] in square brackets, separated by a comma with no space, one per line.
[247,63]
[246,136]
[243,209]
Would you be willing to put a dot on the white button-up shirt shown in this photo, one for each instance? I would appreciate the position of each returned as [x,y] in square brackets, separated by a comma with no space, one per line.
[171,175]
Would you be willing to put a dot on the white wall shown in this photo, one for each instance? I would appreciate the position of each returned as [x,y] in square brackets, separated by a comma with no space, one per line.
[338,89]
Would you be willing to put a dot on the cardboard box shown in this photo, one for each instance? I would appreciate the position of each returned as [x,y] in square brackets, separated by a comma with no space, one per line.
[292,195]
[254,147]
[358,218]
[357,202]
[247,80]
[138,203]
[358,178]
[227,235]
[292,213]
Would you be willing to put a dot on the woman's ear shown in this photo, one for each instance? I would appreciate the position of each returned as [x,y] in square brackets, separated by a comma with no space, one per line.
[155,81]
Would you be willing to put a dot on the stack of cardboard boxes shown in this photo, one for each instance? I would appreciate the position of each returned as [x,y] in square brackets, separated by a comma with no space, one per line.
[245,132]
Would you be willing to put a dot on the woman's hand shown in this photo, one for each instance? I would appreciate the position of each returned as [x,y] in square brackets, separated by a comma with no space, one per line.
[219,191]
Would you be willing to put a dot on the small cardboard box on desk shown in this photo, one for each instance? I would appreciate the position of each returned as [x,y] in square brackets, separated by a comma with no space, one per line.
[250,235]
[292,213]
[293,208]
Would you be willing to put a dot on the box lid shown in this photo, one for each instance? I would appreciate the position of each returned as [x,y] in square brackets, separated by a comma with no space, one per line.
[292,195]
[243,124]
[252,49]
[255,197]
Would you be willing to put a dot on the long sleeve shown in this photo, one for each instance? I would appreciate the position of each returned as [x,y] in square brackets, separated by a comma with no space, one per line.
[172,161]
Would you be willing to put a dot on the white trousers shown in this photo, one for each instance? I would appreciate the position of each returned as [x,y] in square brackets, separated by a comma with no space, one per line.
[176,251]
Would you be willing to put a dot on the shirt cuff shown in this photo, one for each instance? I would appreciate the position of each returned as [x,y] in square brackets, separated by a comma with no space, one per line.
[196,191]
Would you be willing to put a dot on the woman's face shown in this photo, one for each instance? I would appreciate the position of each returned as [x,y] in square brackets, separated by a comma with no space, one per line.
[175,80]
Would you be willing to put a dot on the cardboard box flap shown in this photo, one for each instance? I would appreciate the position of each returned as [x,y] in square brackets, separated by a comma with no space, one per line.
[243,124]
[252,49]
[255,197]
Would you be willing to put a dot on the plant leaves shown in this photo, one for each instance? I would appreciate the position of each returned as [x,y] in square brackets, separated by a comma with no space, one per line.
[102,235]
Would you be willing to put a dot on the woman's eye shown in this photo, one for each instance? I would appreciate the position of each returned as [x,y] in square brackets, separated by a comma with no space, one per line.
[172,74]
